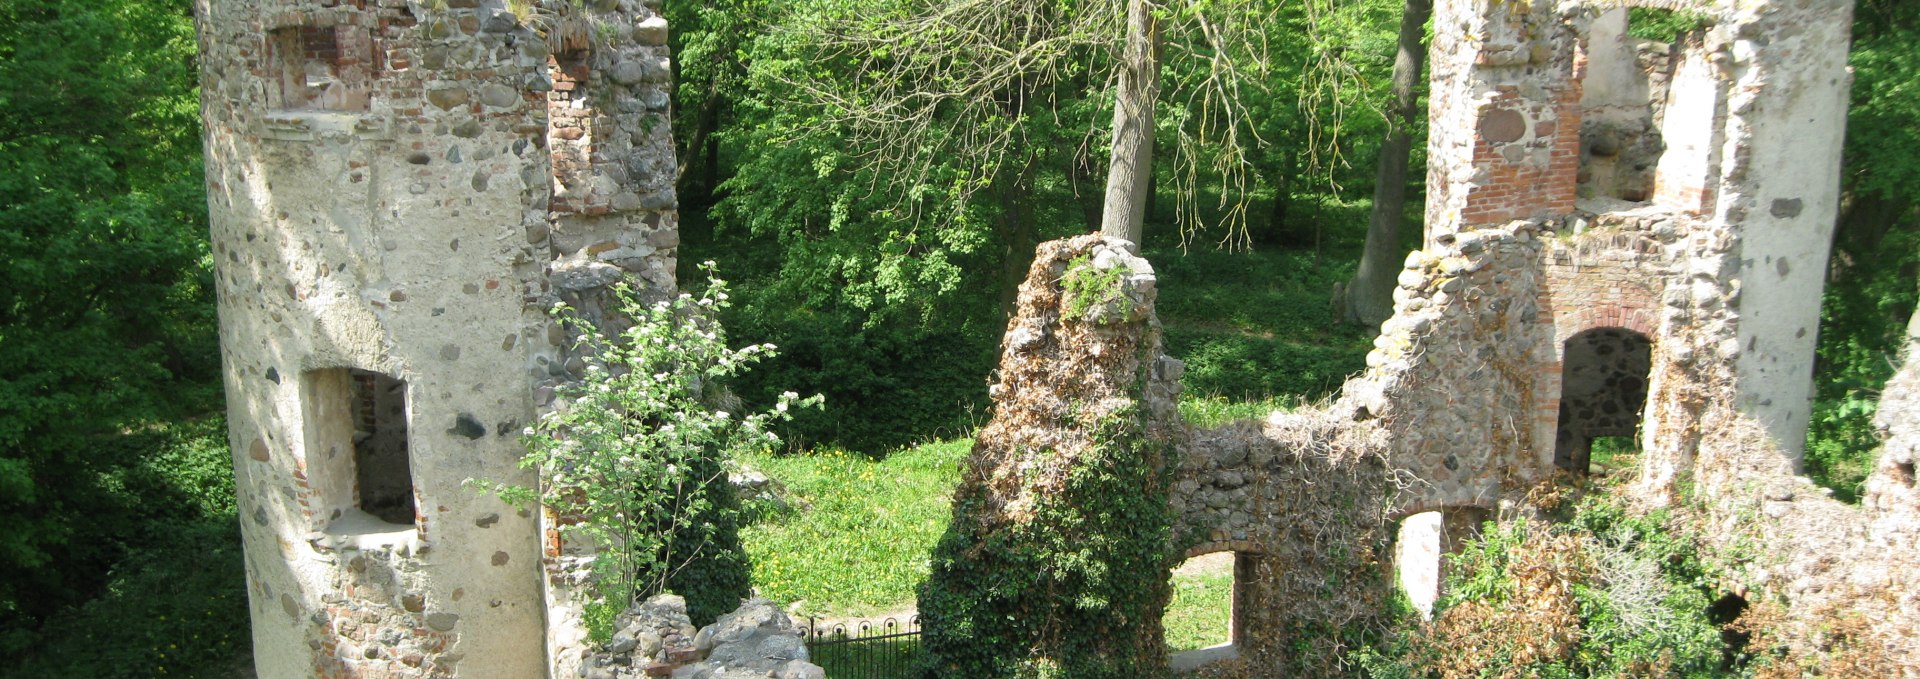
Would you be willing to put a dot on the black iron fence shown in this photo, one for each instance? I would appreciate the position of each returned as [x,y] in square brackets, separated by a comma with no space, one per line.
[866,649]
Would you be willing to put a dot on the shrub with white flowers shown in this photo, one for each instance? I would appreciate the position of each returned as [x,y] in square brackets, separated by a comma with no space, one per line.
[634,455]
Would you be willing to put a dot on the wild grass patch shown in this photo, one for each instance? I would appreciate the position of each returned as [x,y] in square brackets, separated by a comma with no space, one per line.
[856,538]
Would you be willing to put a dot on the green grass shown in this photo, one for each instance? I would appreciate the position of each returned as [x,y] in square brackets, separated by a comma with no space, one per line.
[1201,612]
[1213,411]
[862,545]
[1613,452]
[1257,326]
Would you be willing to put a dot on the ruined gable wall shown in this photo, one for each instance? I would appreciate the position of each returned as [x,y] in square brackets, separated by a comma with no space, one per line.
[1504,113]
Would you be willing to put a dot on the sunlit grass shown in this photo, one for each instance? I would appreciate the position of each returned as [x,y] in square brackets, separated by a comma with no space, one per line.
[1212,411]
[1201,612]
[859,544]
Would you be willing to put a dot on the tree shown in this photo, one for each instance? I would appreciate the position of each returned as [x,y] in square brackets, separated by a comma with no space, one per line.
[638,452]
[106,314]
[942,80]
[1130,165]
[1876,245]
[1367,299]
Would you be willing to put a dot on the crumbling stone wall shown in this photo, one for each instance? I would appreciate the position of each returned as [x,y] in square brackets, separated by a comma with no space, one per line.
[1056,561]
[1622,107]
[1451,373]
[1468,384]
[655,638]
[382,191]
[1893,498]
[1605,273]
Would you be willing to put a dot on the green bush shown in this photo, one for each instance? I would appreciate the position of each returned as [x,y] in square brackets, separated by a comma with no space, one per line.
[1609,593]
[638,449]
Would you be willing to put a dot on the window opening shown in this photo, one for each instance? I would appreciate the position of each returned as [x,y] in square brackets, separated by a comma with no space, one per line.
[383,472]
[1416,558]
[322,67]
[1603,389]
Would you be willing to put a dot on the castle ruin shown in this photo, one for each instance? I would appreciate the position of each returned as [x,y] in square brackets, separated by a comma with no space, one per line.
[1623,238]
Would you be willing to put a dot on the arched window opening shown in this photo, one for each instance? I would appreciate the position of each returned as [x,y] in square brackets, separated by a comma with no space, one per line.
[1603,389]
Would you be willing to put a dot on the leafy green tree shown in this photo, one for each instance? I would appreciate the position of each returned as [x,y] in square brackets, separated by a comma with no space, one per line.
[105,299]
[638,452]
[1872,277]
[1368,297]
[956,78]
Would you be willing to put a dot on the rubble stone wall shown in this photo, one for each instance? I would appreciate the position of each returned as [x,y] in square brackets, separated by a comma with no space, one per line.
[1504,114]
[382,196]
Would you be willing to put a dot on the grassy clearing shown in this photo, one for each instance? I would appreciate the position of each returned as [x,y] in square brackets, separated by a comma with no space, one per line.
[859,544]
[1255,329]
[1201,613]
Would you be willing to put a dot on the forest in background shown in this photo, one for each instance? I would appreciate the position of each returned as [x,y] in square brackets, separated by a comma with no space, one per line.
[119,552]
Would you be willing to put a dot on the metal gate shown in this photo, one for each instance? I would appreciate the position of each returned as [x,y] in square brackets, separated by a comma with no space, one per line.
[866,649]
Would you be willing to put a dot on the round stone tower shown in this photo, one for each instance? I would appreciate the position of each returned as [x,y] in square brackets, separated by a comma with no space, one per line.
[400,190]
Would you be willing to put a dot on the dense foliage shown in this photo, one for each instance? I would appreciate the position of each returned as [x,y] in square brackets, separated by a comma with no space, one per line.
[1609,593]
[1077,589]
[110,480]
[1872,283]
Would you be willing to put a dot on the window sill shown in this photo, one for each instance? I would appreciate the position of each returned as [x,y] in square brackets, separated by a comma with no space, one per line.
[356,530]
[308,125]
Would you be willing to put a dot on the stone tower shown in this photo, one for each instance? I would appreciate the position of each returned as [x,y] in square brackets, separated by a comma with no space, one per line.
[400,190]
[1702,172]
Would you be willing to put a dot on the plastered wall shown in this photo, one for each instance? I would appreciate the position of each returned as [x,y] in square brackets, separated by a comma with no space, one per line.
[384,198]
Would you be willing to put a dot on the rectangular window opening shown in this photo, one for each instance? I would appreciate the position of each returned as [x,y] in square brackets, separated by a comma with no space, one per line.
[326,68]
[383,473]
[359,473]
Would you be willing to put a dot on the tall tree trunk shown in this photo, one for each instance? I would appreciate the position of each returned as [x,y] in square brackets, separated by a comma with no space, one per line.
[1280,222]
[1080,177]
[1016,234]
[1369,296]
[1130,168]
[703,128]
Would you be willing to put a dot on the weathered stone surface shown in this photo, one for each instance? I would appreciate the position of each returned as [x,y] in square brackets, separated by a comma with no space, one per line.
[447,98]
[416,275]
[654,639]
[651,31]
